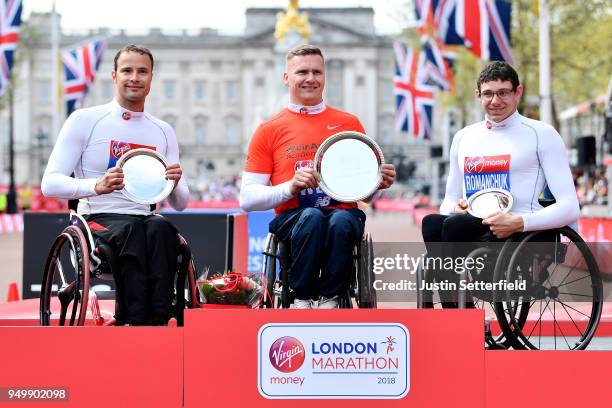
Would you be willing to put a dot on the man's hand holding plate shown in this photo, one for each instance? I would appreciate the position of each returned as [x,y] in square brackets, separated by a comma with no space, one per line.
[387,171]
[174,173]
[303,178]
[111,180]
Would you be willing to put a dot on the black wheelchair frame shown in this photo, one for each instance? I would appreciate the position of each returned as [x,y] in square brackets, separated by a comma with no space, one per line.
[75,250]
[359,286]
[518,261]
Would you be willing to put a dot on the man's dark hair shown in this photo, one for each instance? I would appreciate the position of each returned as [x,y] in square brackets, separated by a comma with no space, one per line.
[134,48]
[498,71]
[304,49]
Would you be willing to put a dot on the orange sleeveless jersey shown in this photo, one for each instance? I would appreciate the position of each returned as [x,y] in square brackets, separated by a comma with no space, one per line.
[289,141]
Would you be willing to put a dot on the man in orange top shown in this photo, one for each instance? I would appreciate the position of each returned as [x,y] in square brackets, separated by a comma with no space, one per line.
[279,174]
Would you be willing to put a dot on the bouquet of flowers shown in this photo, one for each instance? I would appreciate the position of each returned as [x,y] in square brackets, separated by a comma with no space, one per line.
[231,288]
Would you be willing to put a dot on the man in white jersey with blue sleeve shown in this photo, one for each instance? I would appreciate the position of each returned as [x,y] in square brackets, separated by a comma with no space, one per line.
[88,147]
[505,151]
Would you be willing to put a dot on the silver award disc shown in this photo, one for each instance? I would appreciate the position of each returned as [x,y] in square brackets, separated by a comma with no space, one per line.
[348,164]
[489,201]
[144,176]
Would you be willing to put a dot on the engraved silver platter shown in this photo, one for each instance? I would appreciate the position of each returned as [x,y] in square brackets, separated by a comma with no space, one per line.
[144,176]
[349,164]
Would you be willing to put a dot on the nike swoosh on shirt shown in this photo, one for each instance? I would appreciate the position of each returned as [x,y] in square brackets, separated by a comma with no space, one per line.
[332,127]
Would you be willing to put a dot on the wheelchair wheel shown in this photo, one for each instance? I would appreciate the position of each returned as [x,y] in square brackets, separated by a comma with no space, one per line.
[271,300]
[487,301]
[67,273]
[430,299]
[366,294]
[185,298]
[562,286]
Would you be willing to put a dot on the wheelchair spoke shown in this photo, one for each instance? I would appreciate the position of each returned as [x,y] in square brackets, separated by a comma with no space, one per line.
[571,270]
[554,327]
[575,280]
[565,277]
[574,309]
[560,329]
[575,294]
[571,318]
[539,319]
[540,329]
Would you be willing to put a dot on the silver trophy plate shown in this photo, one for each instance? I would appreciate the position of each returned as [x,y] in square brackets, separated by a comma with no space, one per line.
[144,176]
[489,201]
[348,164]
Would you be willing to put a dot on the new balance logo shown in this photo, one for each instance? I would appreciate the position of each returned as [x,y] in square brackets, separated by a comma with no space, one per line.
[322,202]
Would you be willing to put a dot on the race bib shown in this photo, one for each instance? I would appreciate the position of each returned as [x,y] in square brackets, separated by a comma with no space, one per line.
[312,197]
[482,172]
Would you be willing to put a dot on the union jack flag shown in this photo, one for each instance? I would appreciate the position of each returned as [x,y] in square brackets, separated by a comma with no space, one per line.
[483,26]
[439,59]
[438,68]
[10,20]
[80,66]
[414,98]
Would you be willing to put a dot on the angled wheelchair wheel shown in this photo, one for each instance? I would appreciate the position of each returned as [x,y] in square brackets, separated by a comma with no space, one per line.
[487,301]
[185,298]
[426,299]
[431,299]
[562,286]
[271,296]
[366,294]
[66,274]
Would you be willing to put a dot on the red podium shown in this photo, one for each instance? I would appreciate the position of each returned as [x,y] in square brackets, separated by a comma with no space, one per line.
[216,360]
[445,352]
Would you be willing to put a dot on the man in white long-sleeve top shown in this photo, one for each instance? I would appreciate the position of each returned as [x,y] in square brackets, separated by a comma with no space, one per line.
[505,151]
[88,146]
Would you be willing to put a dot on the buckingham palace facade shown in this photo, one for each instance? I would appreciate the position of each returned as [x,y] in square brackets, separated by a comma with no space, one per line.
[214,89]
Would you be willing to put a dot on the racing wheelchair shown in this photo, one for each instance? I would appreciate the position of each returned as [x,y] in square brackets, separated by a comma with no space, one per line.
[359,286]
[76,257]
[558,294]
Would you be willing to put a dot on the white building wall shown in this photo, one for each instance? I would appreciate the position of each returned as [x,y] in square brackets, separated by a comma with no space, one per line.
[248,61]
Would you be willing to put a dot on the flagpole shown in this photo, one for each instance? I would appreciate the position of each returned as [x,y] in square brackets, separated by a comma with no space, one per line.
[55,73]
[11,198]
[545,83]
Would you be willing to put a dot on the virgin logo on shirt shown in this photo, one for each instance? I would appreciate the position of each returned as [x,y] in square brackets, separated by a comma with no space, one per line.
[485,164]
[118,149]
[482,172]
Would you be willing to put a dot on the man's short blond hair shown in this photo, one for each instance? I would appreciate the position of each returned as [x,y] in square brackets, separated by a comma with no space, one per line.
[304,49]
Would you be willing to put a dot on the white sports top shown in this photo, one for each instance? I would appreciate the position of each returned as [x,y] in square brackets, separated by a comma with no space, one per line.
[90,142]
[520,155]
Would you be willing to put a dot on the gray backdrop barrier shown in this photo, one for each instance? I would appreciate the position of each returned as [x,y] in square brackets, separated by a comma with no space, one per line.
[218,243]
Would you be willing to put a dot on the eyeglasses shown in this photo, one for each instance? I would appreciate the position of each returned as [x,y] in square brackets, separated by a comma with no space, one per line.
[502,93]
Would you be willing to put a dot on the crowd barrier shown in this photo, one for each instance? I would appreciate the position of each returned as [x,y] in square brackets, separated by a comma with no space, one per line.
[11,223]
[226,357]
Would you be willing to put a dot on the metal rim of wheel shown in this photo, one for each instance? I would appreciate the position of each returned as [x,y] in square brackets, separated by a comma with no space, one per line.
[549,290]
[73,292]
[366,294]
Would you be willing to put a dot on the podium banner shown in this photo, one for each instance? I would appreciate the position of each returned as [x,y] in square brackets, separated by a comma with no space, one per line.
[333,360]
